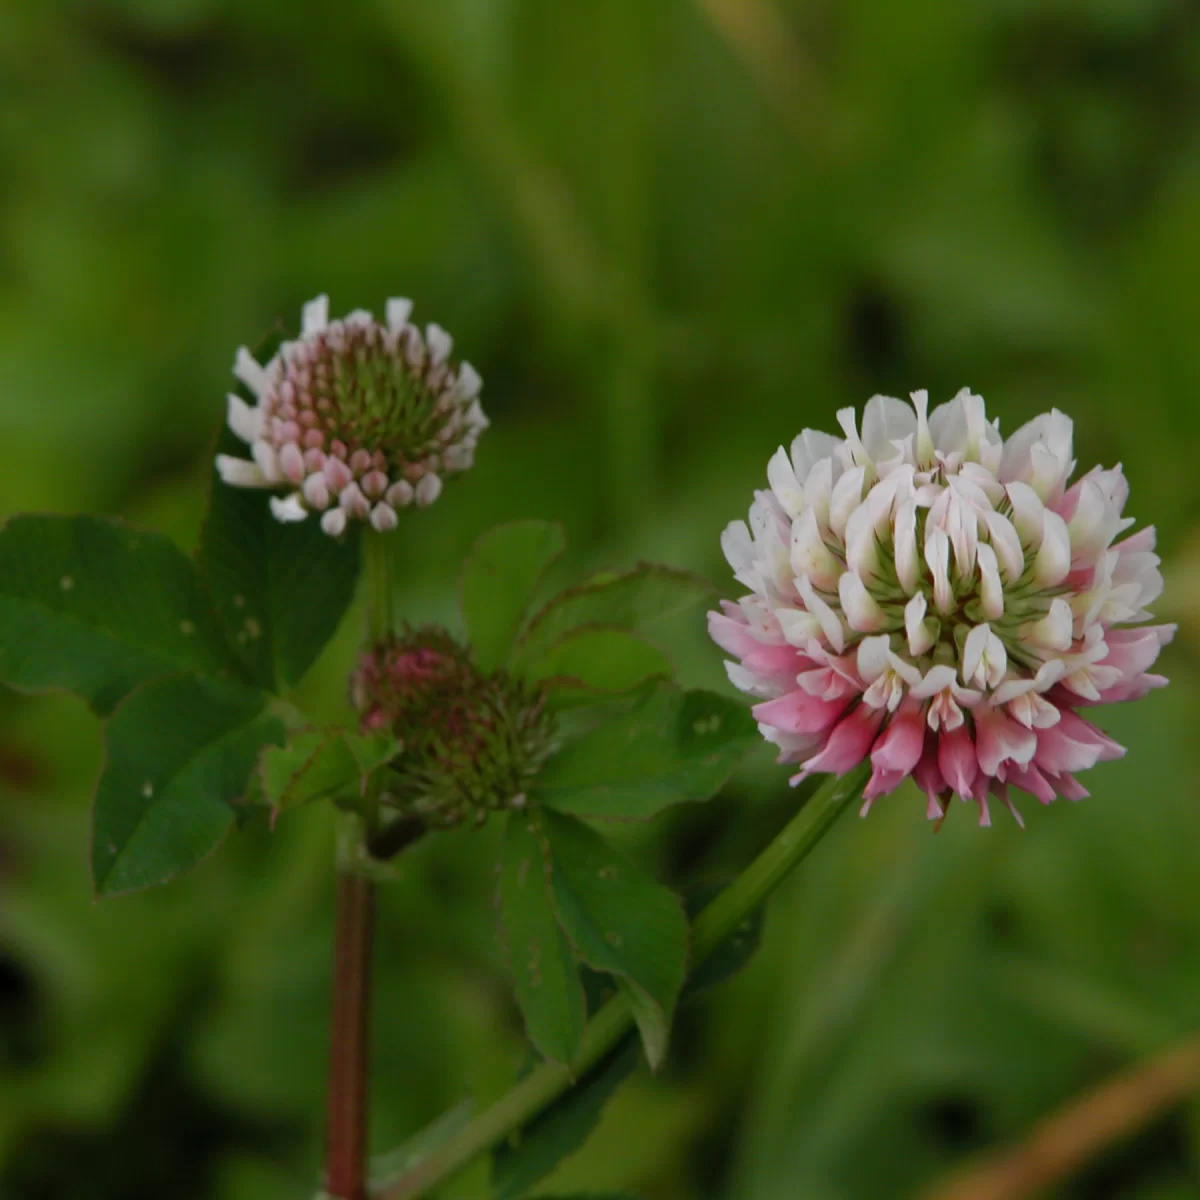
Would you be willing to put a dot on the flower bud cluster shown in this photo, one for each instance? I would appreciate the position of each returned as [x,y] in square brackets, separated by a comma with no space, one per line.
[471,742]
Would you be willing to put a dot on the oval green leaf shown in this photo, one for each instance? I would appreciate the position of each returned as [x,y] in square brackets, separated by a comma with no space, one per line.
[635,600]
[180,751]
[591,663]
[92,606]
[669,748]
[621,921]
[546,978]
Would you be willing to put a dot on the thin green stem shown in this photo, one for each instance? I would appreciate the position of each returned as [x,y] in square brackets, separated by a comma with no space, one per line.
[712,927]
[377,555]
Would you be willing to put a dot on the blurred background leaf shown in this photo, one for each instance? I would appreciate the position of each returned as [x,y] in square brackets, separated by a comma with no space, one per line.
[670,233]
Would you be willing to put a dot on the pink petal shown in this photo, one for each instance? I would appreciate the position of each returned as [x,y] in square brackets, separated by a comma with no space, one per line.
[798,712]
[957,760]
[900,748]
[848,744]
[1000,739]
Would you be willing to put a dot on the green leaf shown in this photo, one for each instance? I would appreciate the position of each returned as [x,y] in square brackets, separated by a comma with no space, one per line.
[280,590]
[318,764]
[562,1128]
[180,751]
[544,971]
[635,600]
[498,583]
[671,747]
[597,660]
[620,921]
[95,607]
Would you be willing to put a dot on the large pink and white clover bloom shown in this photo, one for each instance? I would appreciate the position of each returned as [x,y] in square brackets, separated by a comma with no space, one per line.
[357,418]
[933,598]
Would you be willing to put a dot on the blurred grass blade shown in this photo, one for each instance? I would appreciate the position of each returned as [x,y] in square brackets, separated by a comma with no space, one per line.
[180,752]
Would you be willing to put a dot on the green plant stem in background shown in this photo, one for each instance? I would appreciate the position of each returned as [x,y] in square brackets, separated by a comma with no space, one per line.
[614,1020]
[377,558]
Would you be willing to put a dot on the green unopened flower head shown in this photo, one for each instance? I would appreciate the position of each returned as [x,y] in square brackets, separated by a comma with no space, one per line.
[471,741]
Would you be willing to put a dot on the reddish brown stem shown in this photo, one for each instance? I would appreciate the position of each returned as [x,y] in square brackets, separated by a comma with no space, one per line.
[346,1147]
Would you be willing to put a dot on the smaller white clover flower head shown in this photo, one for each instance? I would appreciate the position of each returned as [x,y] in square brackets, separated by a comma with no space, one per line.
[357,418]
[930,597]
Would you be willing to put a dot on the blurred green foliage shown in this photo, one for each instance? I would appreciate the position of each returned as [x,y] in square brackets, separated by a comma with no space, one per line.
[670,233]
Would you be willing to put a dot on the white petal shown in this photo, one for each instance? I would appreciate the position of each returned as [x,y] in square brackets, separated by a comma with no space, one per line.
[831,624]
[937,679]
[810,448]
[809,554]
[847,496]
[937,557]
[288,509]
[245,421]
[1053,562]
[862,545]
[383,517]
[247,369]
[398,311]
[428,489]
[1028,514]
[475,417]
[353,501]
[799,627]
[315,316]
[239,472]
[948,425]
[400,494]
[908,563]
[991,591]
[818,490]
[784,484]
[334,522]
[316,490]
[1055,629]
[847,418]
[973,651]
[886,420]
[264,455]
[1052,430]
[863,613]
[469,383]
[920,638]
[738,548]
[440,343]
[924,448]
[873,657]
[291,462]
[1007,544]
[459,458]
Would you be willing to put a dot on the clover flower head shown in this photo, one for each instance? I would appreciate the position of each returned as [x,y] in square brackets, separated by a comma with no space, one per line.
[471,742]
[357,418]
[942,602]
